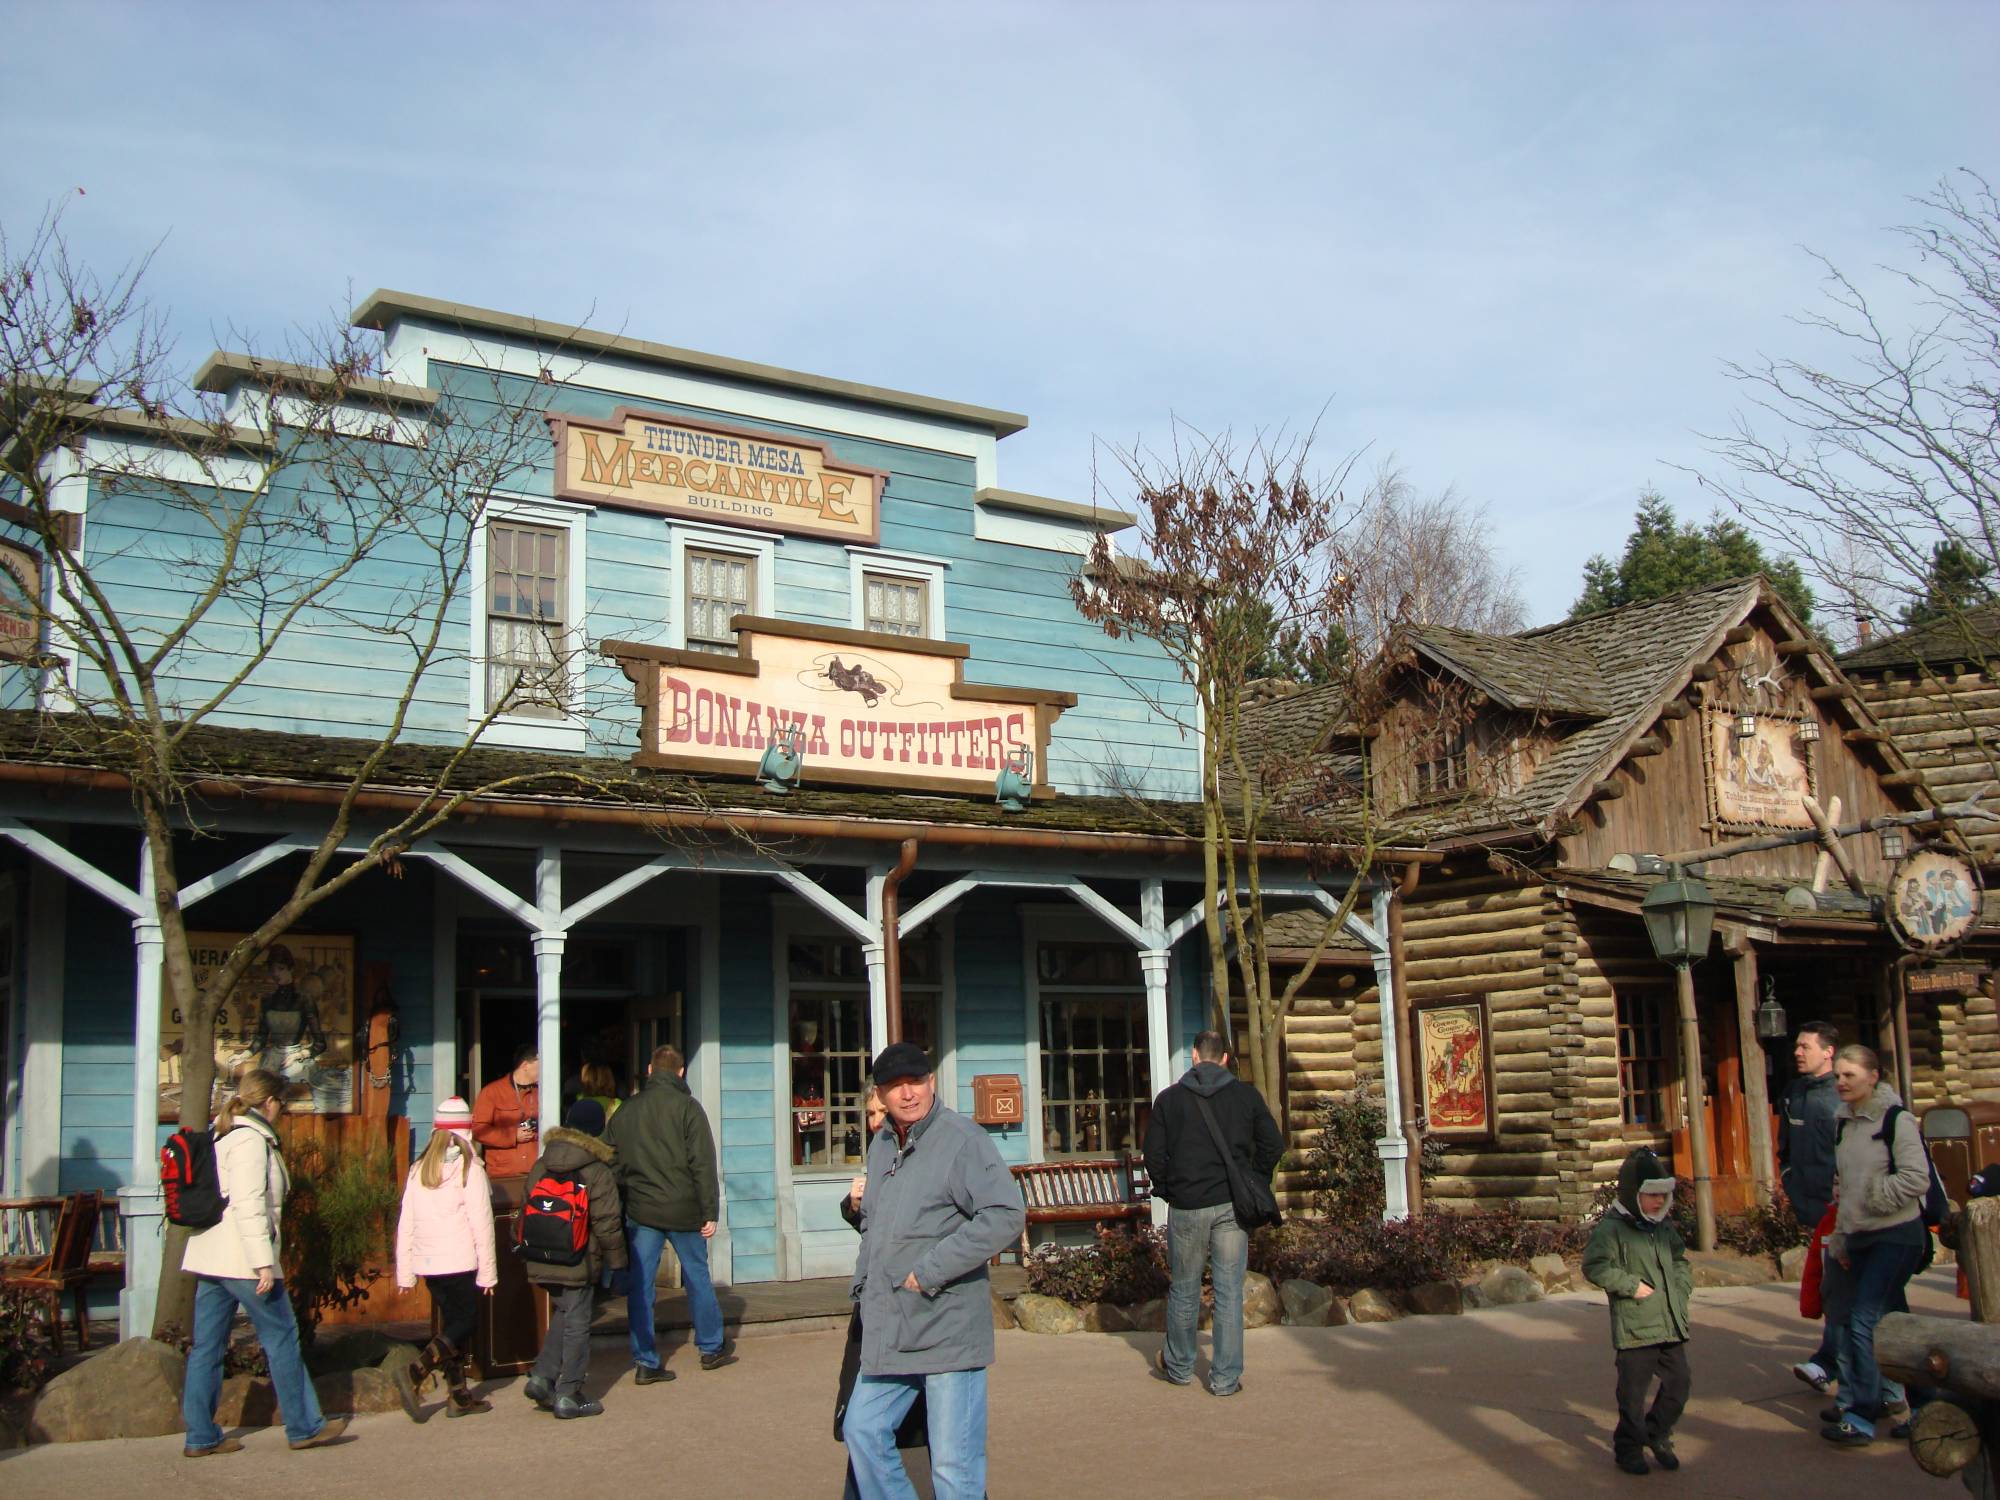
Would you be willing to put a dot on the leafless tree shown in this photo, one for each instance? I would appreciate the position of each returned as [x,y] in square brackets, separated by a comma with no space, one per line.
[315,508]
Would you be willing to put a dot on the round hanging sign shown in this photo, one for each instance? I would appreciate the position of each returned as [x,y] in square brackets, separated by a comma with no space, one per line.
[1934,898]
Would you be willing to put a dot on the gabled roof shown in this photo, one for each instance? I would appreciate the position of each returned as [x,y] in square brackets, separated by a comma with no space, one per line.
[1551,675]
[1972,636]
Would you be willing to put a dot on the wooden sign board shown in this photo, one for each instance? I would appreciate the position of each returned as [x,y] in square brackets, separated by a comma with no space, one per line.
[20,600]
[1934,898]
[1455,1066]
[871,709]
[729,476]
[1952,981]
[1760,781]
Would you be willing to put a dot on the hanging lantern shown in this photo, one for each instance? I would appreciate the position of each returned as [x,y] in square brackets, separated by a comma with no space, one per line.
[1680,918]
[1809,732]
[1746,726]
[1892,843]
[1770,1014]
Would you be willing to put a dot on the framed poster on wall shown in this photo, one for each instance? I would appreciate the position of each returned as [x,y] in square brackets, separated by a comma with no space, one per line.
[293,1013]
[1455,1063]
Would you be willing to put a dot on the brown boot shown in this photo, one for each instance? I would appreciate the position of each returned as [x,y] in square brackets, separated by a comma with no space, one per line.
[410,1377]
[459,1401]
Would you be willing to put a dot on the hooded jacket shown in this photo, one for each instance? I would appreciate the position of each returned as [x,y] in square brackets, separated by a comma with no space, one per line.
[1805,1146]
[940,1204]
[566,1152]
[1878,1191]
[251,1165]
[449,1228]
[1626,1248]
[1181,1158]
[665,1156]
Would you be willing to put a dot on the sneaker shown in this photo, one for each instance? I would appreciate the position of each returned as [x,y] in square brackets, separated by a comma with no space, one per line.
[332,1428]
[225,1445]
[1664,1455]
[539,1393]
[1160,1370]
[568,1408]
[1832,1414]
[650,1374]
[717,1360]
[1813,1376]
[1845,1435]
[1633,1463]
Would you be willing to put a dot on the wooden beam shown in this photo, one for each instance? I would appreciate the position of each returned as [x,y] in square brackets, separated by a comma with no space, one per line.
[1833,692]
[1736,635]
[1675,709]
[1829,839]
[1903,778]
[1955,1353]
[1650,744]
[1607,790]
[1795,647]
[1706,671]
[1756,1096]
[1865,736]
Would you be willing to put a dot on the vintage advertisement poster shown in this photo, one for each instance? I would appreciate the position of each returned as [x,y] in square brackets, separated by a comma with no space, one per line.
[1455,1061]
[675,466]
[1759,780]
[293,1014]
[1934,898]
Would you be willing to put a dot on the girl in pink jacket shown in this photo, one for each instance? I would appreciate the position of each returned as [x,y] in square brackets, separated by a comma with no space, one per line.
[445,1235]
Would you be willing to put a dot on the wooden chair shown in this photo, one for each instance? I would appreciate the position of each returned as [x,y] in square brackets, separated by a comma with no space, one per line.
[66,1268]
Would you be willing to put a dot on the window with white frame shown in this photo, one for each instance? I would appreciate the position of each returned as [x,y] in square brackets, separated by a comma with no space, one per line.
[719,587]
[1097,1089]
[896,593]
[527,619]
[827,1002]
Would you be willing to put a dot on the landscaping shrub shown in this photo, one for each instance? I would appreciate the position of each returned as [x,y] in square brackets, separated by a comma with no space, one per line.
[1343,1169]
[339,1228]
[1764,1231]
[27,1358]
[1118,1266]
[1435,1245]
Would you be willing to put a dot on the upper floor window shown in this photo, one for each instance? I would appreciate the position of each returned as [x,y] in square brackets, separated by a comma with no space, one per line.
[895,606]
[1447,769]
[896,593]
[527,619]
[720,586]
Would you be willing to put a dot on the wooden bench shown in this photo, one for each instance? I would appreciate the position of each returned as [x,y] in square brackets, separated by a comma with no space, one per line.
[27,1231]
[1084,1192]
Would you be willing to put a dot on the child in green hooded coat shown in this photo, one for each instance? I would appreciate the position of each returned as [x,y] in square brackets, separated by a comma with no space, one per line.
[1636,1255]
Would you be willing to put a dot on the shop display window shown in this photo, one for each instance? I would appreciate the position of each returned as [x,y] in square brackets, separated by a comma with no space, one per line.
[829,1043]
[1097,1088]
[1644,1055]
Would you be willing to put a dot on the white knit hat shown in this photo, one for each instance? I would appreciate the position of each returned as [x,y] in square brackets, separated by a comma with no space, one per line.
[453,1114]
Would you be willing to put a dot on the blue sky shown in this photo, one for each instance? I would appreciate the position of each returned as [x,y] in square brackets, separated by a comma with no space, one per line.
[1508,243]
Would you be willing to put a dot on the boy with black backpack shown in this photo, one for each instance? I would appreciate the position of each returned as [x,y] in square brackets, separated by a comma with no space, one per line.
[572,1230]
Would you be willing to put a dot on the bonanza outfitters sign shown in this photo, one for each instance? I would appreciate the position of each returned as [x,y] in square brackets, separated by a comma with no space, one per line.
[698,471]
[871,710]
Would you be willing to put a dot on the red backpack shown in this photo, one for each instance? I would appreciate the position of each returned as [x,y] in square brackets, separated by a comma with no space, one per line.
[555,1220]
[189,1178]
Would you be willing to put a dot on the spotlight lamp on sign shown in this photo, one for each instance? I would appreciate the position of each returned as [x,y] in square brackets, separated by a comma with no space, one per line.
[1015,785]
[1770,1015]
[783,758]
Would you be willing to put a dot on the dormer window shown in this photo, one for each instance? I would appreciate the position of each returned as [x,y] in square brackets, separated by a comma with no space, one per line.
[1449,768]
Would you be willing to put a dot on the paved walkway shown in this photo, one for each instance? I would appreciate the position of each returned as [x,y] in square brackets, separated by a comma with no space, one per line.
[1513,1402]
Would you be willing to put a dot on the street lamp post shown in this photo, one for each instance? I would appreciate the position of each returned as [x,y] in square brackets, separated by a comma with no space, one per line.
[1680,918]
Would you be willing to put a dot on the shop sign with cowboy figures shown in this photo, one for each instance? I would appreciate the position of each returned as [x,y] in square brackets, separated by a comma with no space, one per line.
[1934,898]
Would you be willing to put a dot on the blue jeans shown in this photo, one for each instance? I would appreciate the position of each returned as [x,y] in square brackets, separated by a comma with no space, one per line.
[645,1245]
[1879,1274]
[957,1402]
[215,1302]
[1198,1237]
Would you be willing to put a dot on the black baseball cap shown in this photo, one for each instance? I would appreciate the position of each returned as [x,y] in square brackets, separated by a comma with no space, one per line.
[900,1060]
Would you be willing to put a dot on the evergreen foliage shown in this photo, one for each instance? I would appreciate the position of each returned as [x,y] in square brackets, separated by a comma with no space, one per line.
[1665,555]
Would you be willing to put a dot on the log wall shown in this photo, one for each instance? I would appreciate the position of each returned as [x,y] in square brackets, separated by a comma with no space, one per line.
[1946,722]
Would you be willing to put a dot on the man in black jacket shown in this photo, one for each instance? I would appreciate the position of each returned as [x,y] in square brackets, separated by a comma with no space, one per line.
[1805,1157]
[1188,1172]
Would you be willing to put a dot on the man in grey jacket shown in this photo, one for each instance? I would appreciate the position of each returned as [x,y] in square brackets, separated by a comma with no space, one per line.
[940,1204]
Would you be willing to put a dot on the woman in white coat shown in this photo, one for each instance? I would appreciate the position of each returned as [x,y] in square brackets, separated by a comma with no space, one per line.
[239,1262]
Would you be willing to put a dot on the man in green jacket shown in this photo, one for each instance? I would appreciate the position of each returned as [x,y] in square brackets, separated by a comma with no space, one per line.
[666,1176]
[1636,1255]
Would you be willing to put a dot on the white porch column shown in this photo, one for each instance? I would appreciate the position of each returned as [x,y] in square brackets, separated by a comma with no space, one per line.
[140,1202]
[1156,965]
[550,938]
[1393,1148]
[875,955]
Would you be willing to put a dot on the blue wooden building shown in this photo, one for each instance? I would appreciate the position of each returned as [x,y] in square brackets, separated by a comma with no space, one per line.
[692,559]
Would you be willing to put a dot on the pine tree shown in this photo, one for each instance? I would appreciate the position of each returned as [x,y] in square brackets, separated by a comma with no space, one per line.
[1665,555]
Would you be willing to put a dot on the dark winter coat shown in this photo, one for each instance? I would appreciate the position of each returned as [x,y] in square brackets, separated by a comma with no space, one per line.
[1181,1158]
[1805,1145]
[1627,1248]
[566,1152]
[666,1156]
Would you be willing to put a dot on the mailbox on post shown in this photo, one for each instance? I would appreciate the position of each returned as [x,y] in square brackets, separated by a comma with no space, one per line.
[1963,1139]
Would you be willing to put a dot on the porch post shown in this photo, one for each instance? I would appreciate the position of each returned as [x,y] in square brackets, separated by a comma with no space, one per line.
[1156,964]
[550,938]
[875,955]
[1704,1172]
[1756,1094]
[140,1202]
[1394,1146]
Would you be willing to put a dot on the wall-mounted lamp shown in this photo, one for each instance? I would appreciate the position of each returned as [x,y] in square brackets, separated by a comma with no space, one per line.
[1014,786]
[1892,843]
[783,759]
[1770,1015]
[1746,726]
[1809,732]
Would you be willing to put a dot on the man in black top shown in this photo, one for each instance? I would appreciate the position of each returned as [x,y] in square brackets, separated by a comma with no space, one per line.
[1189,1175]
[1805,1157]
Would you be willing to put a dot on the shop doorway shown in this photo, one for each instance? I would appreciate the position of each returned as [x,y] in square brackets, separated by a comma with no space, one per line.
[623,994]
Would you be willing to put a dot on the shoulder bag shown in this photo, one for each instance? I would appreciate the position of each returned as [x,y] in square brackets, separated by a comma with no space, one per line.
[1255,1204]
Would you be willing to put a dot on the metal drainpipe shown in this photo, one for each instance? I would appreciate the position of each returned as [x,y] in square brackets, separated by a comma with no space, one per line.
[1399,1018]
[892,942]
